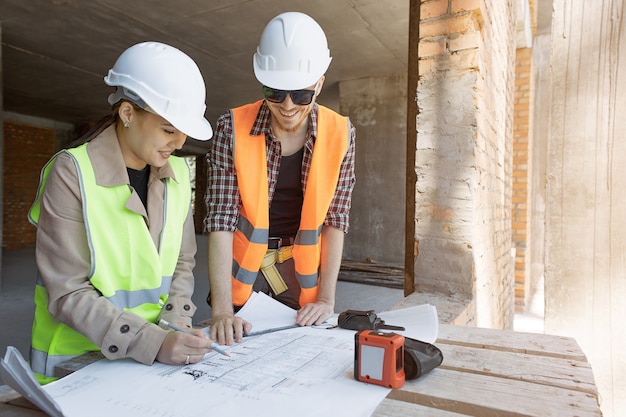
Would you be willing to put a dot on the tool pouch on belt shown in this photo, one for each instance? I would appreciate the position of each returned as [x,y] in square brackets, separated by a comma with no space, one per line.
[420,358]
[363,320]
[271,273]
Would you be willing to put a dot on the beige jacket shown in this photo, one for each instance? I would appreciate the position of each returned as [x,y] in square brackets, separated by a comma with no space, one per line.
[63,258]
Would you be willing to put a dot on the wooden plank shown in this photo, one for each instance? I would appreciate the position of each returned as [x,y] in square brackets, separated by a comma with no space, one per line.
[12,404]
[370,278]
[386,269]
[510,341]
[488,396]
[545,370]
[371,273]
[395,408]
[9,410]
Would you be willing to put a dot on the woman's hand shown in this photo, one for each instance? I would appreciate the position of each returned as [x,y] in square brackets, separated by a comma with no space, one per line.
[180,348]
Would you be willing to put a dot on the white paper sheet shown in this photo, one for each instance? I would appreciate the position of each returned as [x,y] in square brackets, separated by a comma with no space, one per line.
[17,374]
[302,371]
[420,322]
[266,313]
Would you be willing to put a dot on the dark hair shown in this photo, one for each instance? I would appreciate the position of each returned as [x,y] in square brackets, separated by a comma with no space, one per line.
[103,123]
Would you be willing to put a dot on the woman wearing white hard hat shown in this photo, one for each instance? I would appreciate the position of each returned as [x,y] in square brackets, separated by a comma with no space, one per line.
[281,175]
[115,236]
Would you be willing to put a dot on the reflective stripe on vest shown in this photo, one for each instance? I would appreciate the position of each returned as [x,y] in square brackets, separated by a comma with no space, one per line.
[250,238]
[126,267]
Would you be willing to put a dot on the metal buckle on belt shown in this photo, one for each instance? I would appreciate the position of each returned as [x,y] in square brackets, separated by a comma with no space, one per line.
[279,242]
[274,243]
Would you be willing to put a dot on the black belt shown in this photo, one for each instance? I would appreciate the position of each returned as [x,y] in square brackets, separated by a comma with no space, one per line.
[279,242]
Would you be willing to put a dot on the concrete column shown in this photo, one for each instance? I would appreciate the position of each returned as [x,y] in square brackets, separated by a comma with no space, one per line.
[377,109]
[538,152]
[585,278]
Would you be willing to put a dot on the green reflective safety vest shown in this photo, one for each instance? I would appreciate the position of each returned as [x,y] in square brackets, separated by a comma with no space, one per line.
[126,267]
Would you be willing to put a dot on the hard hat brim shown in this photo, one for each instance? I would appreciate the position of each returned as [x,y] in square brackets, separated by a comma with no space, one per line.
[288,80]
[196,128]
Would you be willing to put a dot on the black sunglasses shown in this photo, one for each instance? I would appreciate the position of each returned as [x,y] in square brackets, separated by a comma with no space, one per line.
[298,97]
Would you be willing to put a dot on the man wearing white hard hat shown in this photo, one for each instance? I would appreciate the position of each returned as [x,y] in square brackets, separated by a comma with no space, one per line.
[281,175]
[115,236]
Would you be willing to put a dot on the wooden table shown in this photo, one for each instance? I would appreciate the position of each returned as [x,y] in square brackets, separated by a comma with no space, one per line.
[484,373]
[488,372]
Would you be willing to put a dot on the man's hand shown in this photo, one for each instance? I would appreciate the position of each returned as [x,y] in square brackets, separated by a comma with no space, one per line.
[314,313]
[228,328]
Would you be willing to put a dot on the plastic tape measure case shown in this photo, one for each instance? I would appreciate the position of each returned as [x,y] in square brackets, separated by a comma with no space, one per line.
[379,358]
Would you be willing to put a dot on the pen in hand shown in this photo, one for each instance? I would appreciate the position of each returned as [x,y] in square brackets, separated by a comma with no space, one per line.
[214,345]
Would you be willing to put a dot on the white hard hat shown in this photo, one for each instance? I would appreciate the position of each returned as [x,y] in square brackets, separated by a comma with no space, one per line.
[167,81]
[292,54]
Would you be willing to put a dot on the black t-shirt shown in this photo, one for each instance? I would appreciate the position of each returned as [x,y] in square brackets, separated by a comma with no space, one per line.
[139,181]
[287,202]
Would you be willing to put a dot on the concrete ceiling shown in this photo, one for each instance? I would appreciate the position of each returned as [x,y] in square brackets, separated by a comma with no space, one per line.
[55,53]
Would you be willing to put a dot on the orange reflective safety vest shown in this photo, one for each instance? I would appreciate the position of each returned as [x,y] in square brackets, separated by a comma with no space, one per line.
[250,238]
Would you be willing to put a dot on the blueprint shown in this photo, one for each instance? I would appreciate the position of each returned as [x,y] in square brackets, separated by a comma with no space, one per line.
[302,371]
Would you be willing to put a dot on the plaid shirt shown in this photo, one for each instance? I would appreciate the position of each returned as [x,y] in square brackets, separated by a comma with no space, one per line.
[222,197]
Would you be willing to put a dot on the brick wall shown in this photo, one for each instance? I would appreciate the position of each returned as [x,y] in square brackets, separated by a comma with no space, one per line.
[495,278]
[463,162]
[26,149]
[519,215]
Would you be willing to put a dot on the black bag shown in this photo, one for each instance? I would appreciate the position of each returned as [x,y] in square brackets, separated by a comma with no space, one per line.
[420,358]
[363,320]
